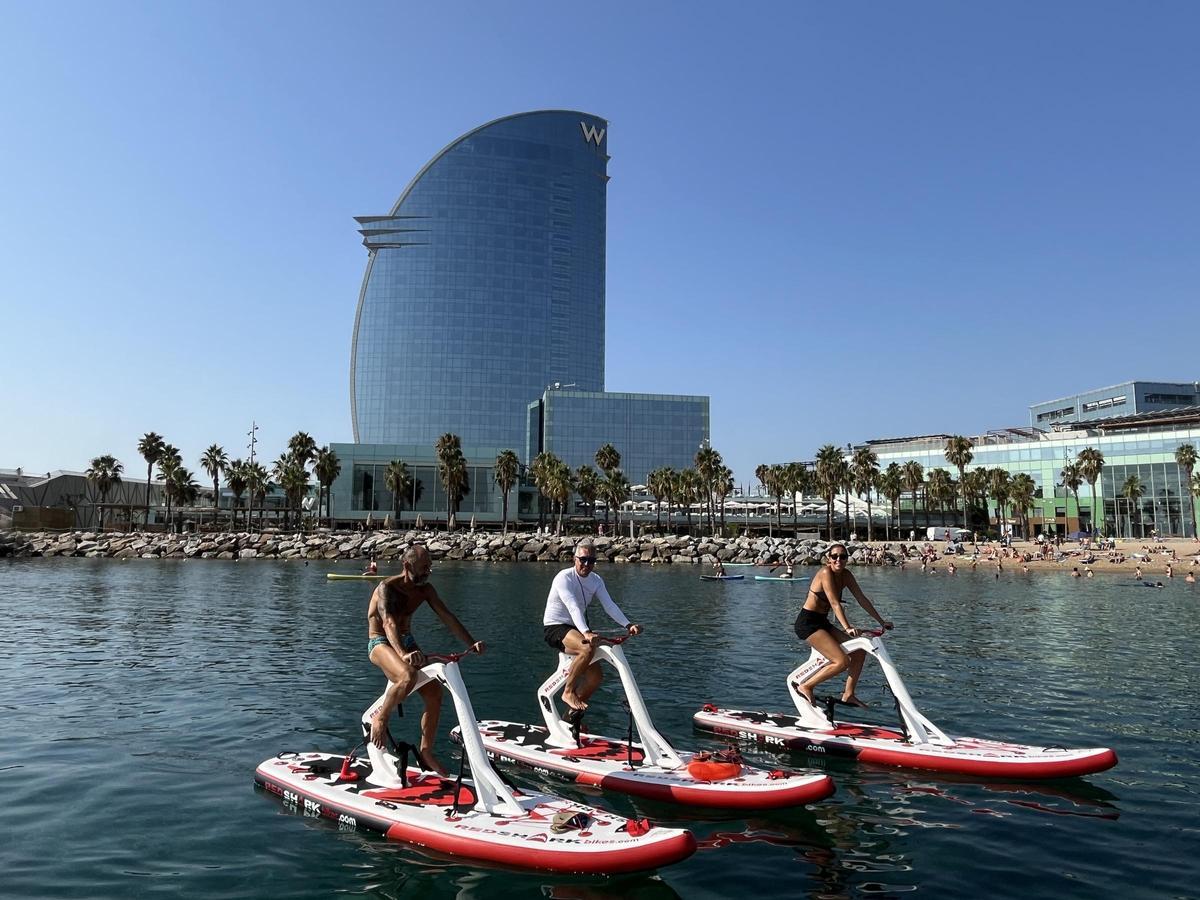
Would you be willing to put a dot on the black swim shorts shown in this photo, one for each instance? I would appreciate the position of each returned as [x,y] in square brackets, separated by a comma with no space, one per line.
[554,635]
[810,622]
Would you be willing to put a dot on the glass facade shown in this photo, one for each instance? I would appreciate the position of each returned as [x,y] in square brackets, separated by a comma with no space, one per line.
[648,430]
[361,486]
[1147,452]
[484,284]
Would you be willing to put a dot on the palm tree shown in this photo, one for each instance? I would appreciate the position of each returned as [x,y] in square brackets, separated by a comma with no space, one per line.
[940,489]
[150,446]
[1194,488]
[778,481]
[1091,464]
[104,473]
[257,483]
[724,487]
[1185,458]
[180,488]
[398,480]
[657,482]
[327,467]
[1133,490]
[891,485]
[796,481]
[302,447]
[1072,478]
[974,484]
[829,480]
[559,485]
[670,483]
[607,458]
[456,479]
[865,470]
[169,464]
[1021,492]
[453,470]
[235,480]
[617,490]
[958,454]
[999,485]
[587,486]
[913,474]
[505,475]
[213,461]
[708,464]
[687,489]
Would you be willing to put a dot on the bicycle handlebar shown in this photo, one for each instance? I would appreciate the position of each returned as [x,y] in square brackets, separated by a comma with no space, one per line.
[614,639]
[449,657]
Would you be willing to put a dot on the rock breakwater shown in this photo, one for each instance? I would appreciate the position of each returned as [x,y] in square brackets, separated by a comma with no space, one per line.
[389,545]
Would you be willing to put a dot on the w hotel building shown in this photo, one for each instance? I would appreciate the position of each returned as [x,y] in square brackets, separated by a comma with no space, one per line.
[484,291]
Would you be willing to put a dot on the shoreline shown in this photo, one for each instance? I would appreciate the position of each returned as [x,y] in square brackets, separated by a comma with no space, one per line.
[481,546]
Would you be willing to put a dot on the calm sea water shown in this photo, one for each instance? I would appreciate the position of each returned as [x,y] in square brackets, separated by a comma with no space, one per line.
[138,697]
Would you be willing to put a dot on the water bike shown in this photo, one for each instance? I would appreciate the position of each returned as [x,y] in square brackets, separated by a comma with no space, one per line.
[915,743]
[479,818]
[722,577]
[333,577]
[650,768]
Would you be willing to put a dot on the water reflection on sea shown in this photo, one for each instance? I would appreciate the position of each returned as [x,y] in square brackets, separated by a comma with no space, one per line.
[139,697]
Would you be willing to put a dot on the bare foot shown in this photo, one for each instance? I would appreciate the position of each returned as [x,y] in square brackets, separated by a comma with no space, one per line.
[573,700]
[379,731]
[854,701]
[434,763]
[807,692]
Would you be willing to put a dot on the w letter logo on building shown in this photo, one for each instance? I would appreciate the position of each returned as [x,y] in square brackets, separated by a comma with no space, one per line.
[592,134]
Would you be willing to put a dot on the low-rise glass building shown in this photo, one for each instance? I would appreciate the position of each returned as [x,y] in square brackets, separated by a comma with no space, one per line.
[1142,445]
[360,490]
[648,430]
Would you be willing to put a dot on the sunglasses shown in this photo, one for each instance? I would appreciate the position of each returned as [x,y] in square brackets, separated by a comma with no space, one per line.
[839,556]
[586,560]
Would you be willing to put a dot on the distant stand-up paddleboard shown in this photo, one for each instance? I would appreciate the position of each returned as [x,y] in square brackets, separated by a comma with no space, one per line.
[333,577]
[781,578]
[722,577]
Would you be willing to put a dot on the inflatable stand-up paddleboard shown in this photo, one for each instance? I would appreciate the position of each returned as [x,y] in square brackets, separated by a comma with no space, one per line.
[722,577]
[915,743]
[781,578]
[479,818]
[650,767]
[334,577]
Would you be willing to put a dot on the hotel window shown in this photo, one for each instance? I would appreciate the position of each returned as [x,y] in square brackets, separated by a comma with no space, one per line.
[1177,399]
[1106,403]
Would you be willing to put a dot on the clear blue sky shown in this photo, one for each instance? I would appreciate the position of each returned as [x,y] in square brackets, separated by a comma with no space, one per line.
[841,221]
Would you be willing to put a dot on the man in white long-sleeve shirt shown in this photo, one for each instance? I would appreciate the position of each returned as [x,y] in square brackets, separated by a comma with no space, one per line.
[565,623]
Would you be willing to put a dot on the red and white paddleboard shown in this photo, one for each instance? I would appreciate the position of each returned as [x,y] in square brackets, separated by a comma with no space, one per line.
[423,814]
[649,767]
[915,743]
[606,763]
[888,747]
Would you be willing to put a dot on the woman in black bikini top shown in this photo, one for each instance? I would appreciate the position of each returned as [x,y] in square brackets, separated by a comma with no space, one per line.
[813,625]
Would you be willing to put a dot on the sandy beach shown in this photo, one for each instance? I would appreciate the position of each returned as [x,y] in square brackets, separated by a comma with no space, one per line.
[1152,557]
